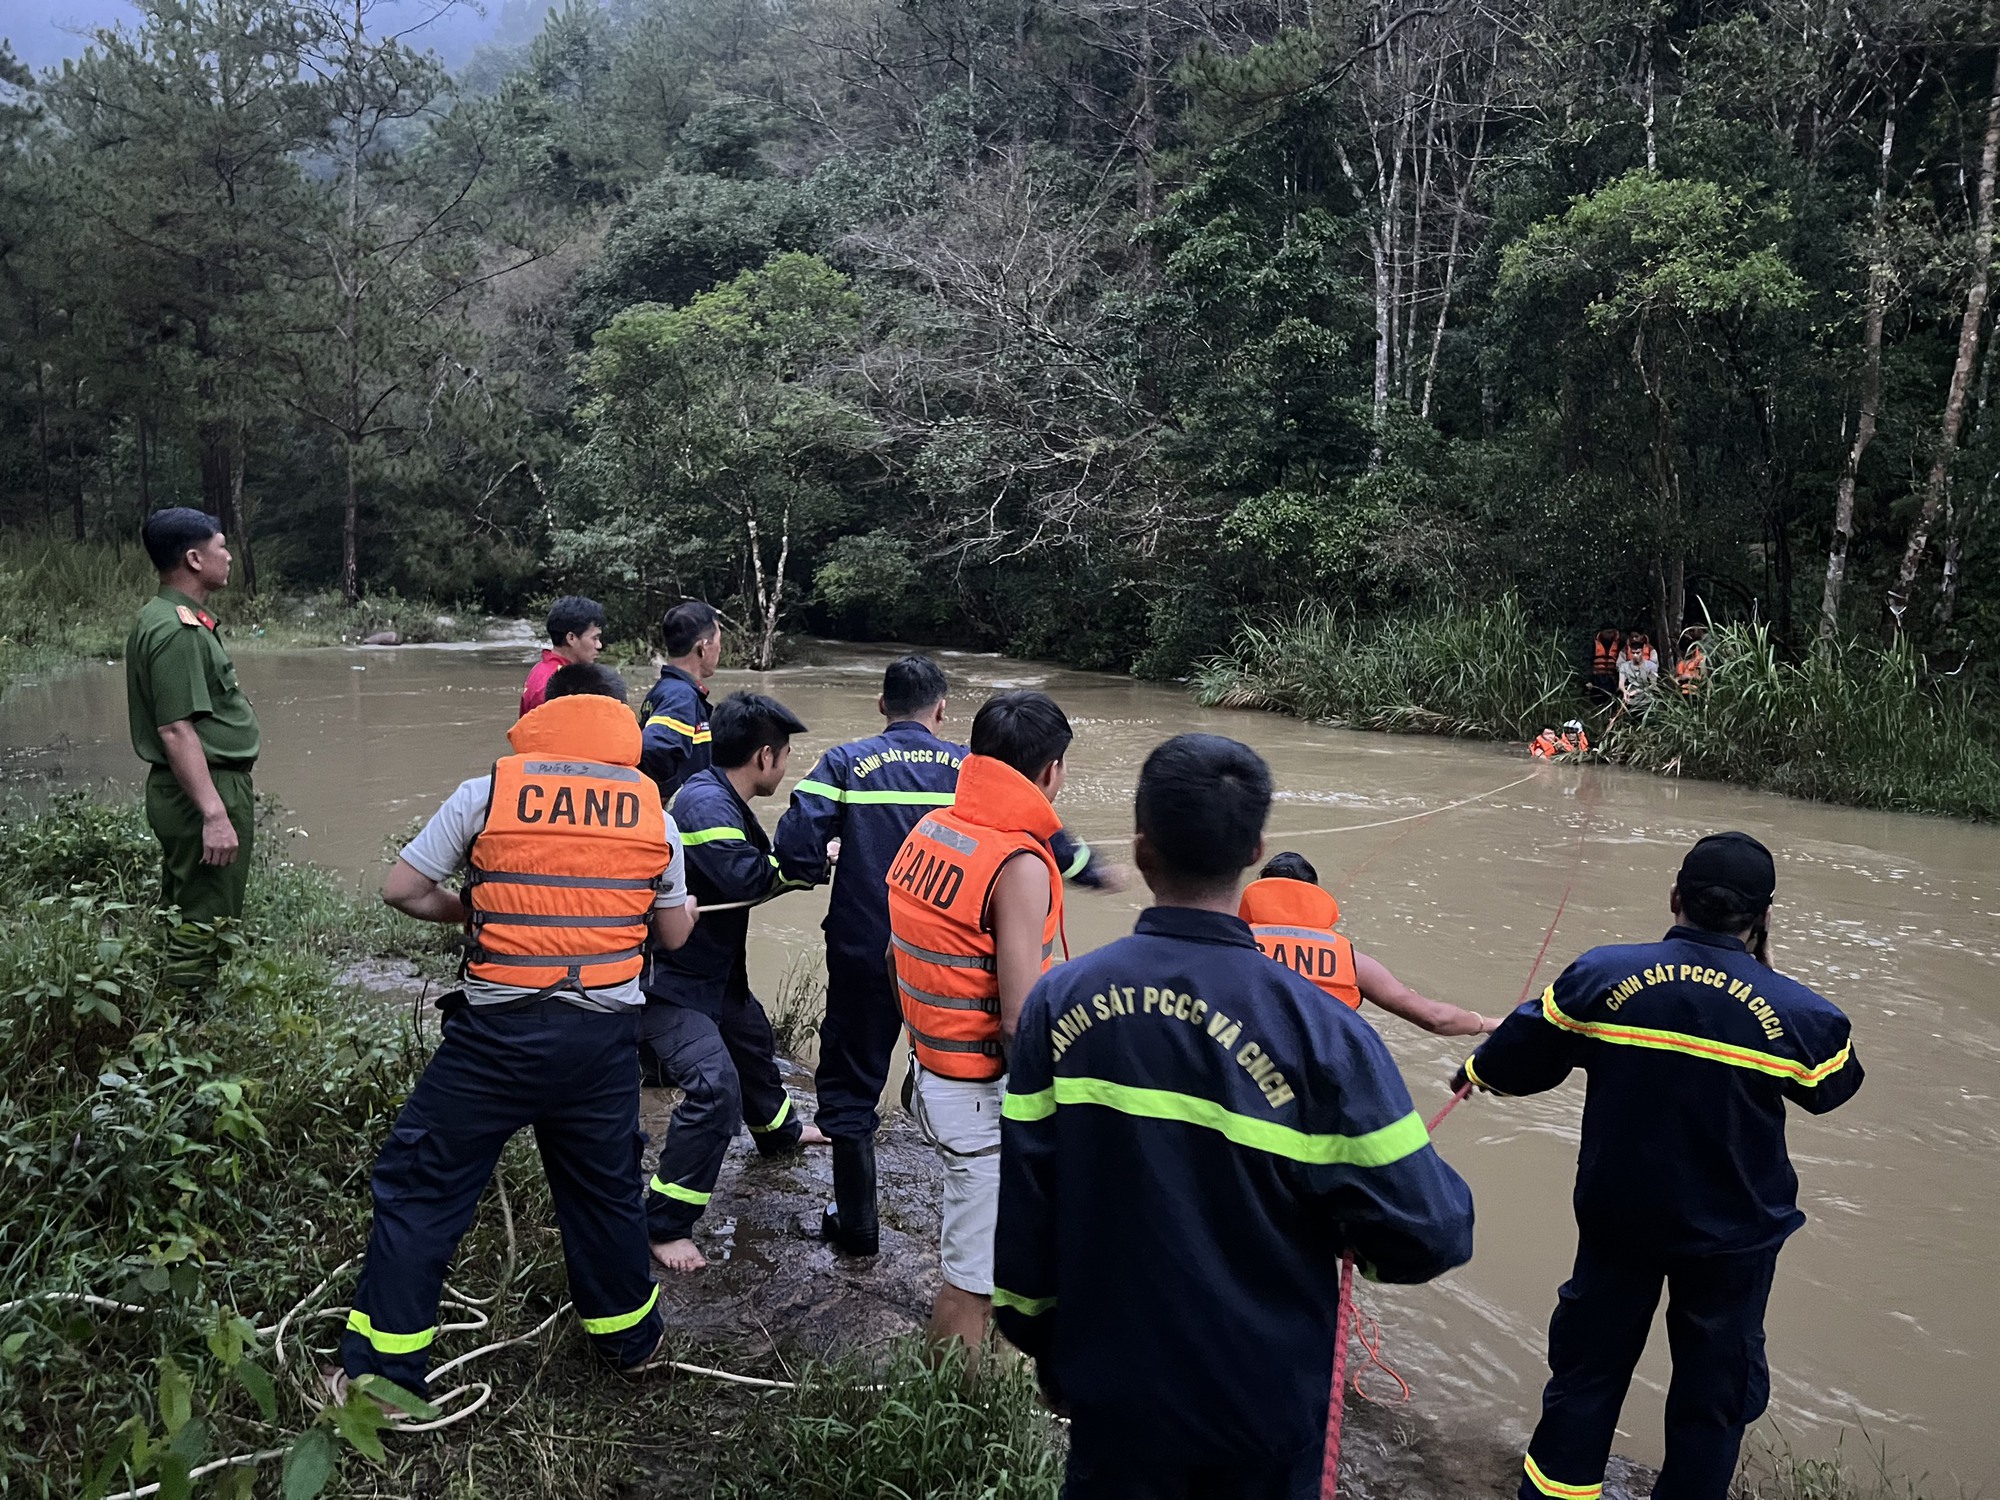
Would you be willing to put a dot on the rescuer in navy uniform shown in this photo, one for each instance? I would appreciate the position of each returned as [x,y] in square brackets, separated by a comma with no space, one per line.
[703,1028]
[1692,1046]
[865,797]
[1192,1139]
[674,717]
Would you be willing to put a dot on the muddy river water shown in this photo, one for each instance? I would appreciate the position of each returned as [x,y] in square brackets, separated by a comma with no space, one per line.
[1886,1317]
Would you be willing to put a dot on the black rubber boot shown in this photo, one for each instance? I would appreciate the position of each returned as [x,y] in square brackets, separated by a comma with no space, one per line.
[850,1225]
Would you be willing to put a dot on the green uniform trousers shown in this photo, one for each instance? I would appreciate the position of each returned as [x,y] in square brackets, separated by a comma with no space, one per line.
[204,893]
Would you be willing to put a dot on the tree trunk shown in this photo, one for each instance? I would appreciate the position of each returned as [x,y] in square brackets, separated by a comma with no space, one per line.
[42,438]
[239,519]
[1146,124]
[75,467]
[1871,403]
[1961,370]
[770,595]
[350,529]
[145,468]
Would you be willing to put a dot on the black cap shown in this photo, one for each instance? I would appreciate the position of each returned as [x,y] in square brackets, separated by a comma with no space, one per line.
[1733,862]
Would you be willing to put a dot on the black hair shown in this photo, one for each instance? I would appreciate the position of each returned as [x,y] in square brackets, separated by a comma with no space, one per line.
[169,534]
[581,677]
[1288,865]
[687,625]
[911,684]
[1201,804]
[1026,730]
[573,615]
[1718,908]
[744,723]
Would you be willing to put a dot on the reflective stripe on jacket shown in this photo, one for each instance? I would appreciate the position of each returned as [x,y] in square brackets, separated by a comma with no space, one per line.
[674,718]
[565,870]
[1293,923]
[940,920]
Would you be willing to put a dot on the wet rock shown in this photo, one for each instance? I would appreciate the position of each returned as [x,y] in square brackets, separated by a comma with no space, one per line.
[382,638]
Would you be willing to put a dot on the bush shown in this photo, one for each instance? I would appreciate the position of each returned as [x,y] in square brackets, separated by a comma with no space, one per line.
[1853,723]
[1484,672]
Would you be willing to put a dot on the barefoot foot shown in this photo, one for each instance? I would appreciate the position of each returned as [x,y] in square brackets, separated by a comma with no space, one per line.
[812,1135]
[679,1256]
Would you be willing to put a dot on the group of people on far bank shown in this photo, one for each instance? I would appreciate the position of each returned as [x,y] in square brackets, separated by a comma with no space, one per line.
[1155,1154]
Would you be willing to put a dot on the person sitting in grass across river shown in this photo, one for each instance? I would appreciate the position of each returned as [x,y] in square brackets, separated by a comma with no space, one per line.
[1292,920]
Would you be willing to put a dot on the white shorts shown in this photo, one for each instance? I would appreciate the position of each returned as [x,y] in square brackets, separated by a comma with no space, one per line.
[962,1119]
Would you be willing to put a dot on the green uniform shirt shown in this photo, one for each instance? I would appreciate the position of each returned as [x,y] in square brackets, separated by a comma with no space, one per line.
[175,669]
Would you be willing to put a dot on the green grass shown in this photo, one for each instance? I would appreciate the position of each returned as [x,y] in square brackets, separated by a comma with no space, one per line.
[63,602]
[1772,1471]
[1472,673]
[1856,724]
[207,1161]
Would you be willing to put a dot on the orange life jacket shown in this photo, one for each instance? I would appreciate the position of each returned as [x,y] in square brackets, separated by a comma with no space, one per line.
[1544,745]
[940,919]
[1605,652]
[1293,923]
[1690,668]
[564,872]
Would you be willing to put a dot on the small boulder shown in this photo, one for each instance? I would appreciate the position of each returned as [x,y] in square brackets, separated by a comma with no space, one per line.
[382,638]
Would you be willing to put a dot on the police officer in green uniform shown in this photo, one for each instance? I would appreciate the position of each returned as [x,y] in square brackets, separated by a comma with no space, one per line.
[191,723]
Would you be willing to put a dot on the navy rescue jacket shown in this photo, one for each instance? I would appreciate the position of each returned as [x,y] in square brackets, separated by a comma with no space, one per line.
[1192,1136]
[1691,1048]
[728,859]
[674,725]
[869,794]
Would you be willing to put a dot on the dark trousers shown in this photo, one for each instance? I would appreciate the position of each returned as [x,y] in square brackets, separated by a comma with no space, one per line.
[726,1067]
[1120,1466]
[1715,1328]
[857,1039]
[572,1076]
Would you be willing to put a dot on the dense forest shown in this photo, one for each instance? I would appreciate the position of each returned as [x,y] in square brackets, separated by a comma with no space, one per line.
[1086,328]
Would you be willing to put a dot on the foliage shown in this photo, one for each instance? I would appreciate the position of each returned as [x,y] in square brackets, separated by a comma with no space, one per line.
[904,1427]
[1484,672]
[1852,723]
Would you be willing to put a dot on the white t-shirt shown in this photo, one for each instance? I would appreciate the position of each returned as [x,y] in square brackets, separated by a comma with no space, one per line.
[445,846]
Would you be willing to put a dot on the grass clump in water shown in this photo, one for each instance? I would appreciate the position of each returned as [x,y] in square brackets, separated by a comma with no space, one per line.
[1482,672]
[1856,724]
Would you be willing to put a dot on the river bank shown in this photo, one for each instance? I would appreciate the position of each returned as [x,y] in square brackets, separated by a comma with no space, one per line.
[1852,724]
[62,604]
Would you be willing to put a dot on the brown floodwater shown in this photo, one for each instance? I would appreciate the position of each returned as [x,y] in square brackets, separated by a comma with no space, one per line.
[1885,1319]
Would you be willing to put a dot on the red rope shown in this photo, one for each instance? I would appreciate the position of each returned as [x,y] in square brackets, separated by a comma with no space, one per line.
[1371,1340]
[1329,1474]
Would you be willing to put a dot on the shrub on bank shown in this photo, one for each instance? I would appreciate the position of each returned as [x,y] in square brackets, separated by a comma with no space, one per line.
[1854,723]
[1475,673]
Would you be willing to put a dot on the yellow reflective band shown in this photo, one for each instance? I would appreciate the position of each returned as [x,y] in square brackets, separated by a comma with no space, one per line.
[619,1322]
[1378,1148]
[700,736]
[389,1343]
[1076,865]
[1472,1077]
[675,1190]
[784,1113]
[1029,1306]
[1029,1107]
[1557,1491]
[712,836]
[1694,1046]
[875,799]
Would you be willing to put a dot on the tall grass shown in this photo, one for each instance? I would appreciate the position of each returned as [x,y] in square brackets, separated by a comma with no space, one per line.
[1856,724]
[1478,672]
